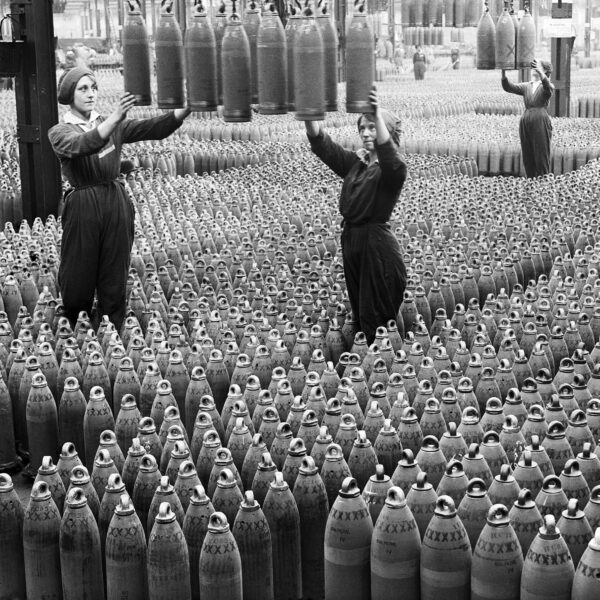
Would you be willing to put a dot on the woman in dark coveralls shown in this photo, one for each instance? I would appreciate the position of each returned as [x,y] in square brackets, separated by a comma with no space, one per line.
[373,177]
[535,127]
[98,214]
[419,63]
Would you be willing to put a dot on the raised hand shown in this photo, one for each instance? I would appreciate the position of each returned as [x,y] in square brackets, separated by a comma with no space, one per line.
[537,66]
[312,128]
[126,102]
[374,101]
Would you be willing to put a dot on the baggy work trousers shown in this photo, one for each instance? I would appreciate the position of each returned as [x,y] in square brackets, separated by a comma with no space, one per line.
[98,227]
[375,275]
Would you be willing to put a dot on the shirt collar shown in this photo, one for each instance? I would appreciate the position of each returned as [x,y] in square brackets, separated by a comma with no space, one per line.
[363,155]
[74,119]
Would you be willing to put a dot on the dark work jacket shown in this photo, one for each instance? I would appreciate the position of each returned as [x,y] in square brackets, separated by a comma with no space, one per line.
[369,192]
[86,159]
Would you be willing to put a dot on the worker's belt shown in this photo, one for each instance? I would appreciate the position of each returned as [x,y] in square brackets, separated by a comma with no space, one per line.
[349,225]
[95,184]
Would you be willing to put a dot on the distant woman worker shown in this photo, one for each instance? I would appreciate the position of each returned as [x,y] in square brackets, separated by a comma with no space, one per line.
[373,178]
[419,63]
[98,214]
[535,127]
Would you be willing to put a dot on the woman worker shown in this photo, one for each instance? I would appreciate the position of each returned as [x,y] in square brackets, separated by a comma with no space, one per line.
[419,63]
[373,178]
[535,127]
[98,214]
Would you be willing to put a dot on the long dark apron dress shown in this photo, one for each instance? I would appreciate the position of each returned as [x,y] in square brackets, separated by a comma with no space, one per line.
[373,267]
[535,127]
[98,215]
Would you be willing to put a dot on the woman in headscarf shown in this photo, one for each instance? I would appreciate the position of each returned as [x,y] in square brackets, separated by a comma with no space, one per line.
[535,127]
[373,178]
[98,214]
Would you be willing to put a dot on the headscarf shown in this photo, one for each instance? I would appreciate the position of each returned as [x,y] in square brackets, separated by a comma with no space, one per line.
[547,67]
[68,82]
[392,123]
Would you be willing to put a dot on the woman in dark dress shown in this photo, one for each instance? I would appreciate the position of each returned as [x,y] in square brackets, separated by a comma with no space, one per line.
[419,63]
[373,178]
[535,127]
[98,214]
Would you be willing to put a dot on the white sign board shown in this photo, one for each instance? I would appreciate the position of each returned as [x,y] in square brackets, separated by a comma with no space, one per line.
[559,28]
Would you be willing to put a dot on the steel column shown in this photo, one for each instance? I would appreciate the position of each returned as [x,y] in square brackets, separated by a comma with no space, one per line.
[561,49]
[35,88]
[587,35]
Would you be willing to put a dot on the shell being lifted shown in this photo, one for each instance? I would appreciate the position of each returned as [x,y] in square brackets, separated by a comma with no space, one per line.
[486,42]
[505,41]
[330,52]
[525,41]
[201,63]
[272,67]
[252,20]
[136,58]
[235,68]
[360,64]
[169,63]
[309,71]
